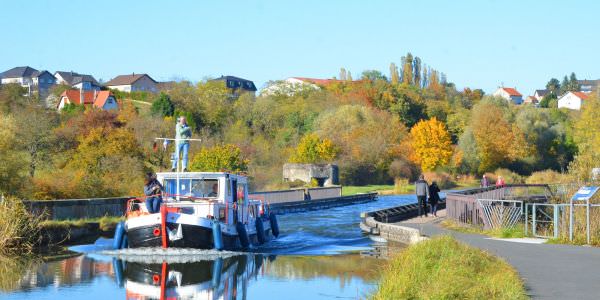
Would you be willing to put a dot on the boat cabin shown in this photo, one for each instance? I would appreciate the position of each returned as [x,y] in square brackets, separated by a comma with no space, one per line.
[209,194]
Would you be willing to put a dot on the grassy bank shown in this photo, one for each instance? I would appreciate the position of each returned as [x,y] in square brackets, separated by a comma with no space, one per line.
[353,190]
[513,232]
[443,268]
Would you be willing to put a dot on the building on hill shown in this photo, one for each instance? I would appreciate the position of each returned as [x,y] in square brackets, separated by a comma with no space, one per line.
[133,83]
[540,94]
[36,82]
[572,100]
[77,81]
[100,99]
[531,100]
[589,86]
[293,85]
[237,85]
[510,94]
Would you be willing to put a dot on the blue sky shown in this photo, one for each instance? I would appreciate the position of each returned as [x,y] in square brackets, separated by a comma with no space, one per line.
[479,44]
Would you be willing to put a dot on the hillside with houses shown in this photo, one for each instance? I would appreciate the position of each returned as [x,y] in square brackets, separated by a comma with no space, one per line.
[107,128]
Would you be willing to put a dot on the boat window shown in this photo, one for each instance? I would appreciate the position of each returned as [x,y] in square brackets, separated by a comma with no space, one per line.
[241,193]
[193,187]
[205,188]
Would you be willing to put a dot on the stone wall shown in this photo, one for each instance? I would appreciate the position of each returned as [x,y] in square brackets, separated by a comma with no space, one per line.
[325,174]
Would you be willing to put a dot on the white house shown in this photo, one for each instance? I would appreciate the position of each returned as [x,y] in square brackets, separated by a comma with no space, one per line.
[133,83]
[36,81]
[100,99]
[572,100]
[76,80]
[540,94]
[510,94]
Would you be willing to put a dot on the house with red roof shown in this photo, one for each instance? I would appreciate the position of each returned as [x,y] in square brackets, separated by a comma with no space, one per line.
[572,100]
[510,94]
[99,99]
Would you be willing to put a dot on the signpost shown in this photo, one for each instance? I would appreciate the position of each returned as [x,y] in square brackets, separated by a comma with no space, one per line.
[585,193]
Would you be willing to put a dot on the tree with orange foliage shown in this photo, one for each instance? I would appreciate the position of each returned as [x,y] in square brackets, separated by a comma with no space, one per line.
[431,144]
[497,141]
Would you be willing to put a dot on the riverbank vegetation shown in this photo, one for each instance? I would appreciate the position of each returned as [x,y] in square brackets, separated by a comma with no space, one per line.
[379,129]
[443,268]
[19,229]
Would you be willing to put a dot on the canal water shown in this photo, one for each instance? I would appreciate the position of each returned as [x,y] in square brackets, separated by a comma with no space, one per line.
[318,255]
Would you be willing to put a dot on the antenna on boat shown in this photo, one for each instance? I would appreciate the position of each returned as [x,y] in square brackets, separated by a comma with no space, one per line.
[166,141]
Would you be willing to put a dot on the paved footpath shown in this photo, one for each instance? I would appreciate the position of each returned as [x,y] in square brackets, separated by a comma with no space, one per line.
[549,271]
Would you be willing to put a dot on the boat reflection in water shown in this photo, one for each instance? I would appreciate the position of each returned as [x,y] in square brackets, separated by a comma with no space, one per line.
[222,278]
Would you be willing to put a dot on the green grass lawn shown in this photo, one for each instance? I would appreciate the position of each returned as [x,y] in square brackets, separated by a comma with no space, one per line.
[352,190]
[443,268]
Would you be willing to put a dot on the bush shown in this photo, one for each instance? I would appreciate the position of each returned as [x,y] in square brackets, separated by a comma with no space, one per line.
[545,177]
[443,268]
[509,176]
[443,179]
[19,229]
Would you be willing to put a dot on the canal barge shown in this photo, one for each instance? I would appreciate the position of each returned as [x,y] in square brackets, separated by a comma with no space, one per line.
[203,210]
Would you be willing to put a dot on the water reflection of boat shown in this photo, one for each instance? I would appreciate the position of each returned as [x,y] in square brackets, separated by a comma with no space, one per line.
[223,278]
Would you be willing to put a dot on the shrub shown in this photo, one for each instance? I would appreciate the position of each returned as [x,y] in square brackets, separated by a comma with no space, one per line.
[509,176]
[546,176]
[443,179]
[19,229]
[443,268]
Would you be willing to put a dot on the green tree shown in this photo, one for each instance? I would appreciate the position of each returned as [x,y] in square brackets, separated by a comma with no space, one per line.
[564,85]
[573,84]
[163,106]
[34,134]
[219,158]
[417,71]
[553,86]
[12,177]
[373,75]
[545,102]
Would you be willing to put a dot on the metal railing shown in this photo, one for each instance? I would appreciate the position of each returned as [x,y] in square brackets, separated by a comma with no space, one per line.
[463,207]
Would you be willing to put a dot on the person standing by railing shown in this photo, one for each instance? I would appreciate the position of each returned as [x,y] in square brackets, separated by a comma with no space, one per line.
[484,181]
[182,133]
[500,182]
[422,191]
[153,191]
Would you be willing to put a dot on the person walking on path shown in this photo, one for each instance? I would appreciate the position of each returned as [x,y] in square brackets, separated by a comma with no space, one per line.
[153,191]
[434,197]
[500,182]
[484,181]
[422,191]
[182,145]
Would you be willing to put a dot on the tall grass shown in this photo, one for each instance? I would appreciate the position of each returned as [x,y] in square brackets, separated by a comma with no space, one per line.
[443,268]
[19,229]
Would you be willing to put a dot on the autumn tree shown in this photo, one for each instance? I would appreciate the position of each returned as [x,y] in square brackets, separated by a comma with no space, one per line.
[394,76]
[431,144]
[587,138]
[227,157]
[498,142]
[313,149]
[407,69]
